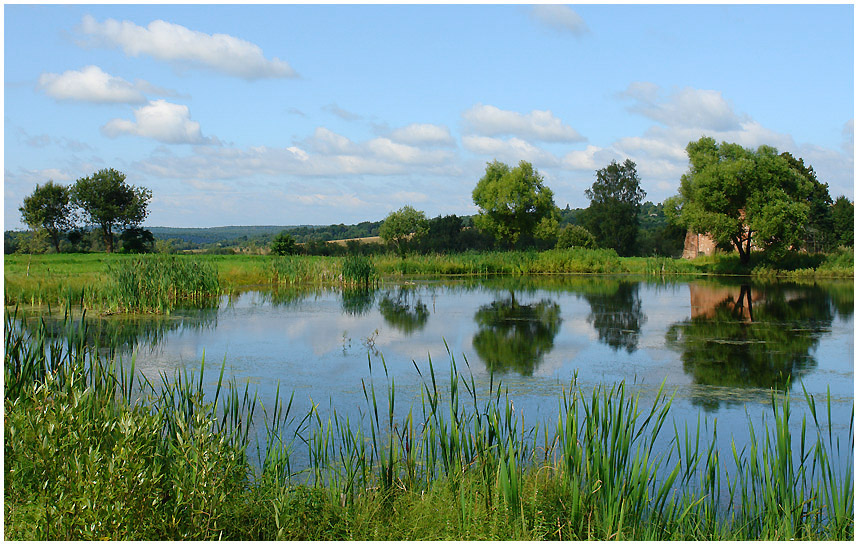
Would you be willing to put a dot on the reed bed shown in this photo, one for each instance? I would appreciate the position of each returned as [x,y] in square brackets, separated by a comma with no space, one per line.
[95,450]
[159,284]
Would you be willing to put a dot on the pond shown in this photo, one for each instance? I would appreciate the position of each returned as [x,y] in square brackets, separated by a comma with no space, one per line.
[719,346]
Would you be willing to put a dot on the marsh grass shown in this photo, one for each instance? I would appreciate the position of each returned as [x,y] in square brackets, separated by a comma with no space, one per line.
[158,284]
[57,279]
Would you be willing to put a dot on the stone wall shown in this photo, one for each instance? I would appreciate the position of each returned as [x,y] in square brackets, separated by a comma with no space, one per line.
[698,244]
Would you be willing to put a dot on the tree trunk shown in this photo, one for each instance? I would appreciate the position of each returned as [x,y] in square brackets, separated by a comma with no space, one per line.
[108,238]
[744,253]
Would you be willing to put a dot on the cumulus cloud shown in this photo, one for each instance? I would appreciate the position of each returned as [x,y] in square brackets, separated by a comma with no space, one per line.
[694,108]
[541,125]
[511,150]
[589,159]
[160,120]
[185,47]
[422,134]
[560,18]
[325,153]
[91,84]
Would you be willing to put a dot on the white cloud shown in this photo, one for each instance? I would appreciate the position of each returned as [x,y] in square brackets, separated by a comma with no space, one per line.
[422,133]
[692,108]
[177,44]
[542,125]
[162,121]
[583,160]
[561,18]
[512,150]
[325,141]
[388,150]
[91,84]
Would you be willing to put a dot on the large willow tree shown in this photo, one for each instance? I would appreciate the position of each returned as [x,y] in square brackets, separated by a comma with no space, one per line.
[742,197]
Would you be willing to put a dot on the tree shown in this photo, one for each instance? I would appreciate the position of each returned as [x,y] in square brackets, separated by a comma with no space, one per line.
[575,237]
[283,244]
[818,230]
[109,202]
[742,197]
[48,209]
[402,225]
[137,241]
[842,221]
[515,203]
[612,216]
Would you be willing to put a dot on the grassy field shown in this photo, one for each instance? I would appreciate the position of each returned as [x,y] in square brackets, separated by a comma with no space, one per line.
[100,280]
[95,451]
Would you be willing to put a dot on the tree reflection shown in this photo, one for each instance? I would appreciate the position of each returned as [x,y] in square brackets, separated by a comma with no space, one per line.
[744,337]
[404,310]
[617,316]
[514,337]
[357,301]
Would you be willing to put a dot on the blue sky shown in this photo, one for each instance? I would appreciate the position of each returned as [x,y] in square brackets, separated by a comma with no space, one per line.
[308,114]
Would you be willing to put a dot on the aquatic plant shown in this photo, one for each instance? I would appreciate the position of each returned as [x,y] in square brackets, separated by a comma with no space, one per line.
[94,449]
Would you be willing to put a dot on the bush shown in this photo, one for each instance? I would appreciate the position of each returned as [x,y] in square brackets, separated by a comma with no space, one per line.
[283,244]
[576,236]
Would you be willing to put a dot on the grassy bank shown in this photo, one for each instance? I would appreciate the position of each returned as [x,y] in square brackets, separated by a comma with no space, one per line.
[94,450]
[116,283]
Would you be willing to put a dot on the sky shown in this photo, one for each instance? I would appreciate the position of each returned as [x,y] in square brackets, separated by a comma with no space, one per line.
[325,114]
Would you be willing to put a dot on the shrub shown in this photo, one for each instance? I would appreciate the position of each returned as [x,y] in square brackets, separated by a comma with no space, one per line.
[576,236]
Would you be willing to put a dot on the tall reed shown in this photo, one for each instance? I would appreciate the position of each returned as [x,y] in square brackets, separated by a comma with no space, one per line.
[94,449]
[158,283]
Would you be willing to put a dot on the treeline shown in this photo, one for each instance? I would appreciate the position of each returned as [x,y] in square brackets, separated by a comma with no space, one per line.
[744,199]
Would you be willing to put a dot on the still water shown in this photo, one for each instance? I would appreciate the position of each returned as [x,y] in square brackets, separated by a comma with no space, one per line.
[718,346]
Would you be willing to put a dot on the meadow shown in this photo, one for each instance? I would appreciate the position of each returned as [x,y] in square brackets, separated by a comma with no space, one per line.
[155,283]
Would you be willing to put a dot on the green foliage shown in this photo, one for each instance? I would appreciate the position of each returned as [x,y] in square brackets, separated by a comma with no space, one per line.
[842,221]
[283,244]
[137,241]
[358,270]
[612,216]
[514,203]
[108,201]
[402,225]
[158,283]
[575,237]
[49,209]
[740,197]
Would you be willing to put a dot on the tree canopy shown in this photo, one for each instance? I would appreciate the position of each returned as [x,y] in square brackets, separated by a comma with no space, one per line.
[109,202]
[283,244]
[49,209]
[742,197]
[612,216]
[401,225]
[513,202]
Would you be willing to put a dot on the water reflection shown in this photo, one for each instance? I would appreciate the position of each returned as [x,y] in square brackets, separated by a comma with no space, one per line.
[357,301]
[114,334]
[747,336]
[514,337]
[403,309]
[616,315]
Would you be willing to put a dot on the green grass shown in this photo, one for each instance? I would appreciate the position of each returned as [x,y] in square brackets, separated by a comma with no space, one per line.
[94,450]
[106,283]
